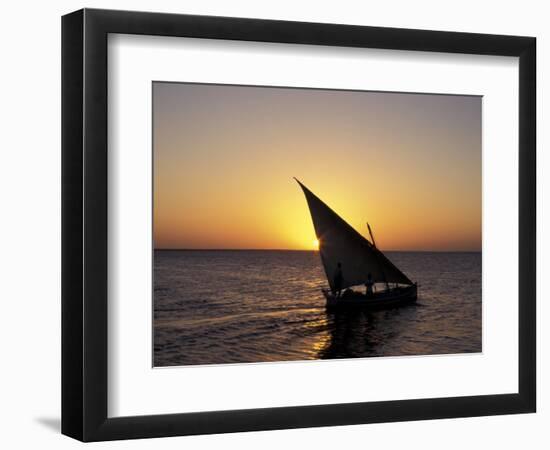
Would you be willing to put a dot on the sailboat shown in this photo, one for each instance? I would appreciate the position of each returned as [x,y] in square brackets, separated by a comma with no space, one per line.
[351,260]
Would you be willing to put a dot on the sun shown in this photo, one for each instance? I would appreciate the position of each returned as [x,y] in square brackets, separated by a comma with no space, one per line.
[316,244]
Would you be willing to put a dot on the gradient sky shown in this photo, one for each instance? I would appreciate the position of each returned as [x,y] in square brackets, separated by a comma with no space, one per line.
[224,158]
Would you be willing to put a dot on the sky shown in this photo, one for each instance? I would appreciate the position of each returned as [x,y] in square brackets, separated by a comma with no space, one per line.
[225,157]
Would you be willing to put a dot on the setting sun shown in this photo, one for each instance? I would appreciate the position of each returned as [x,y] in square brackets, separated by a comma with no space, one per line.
[316,244]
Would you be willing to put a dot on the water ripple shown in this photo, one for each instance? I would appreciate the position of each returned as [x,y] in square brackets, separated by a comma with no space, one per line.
[215,307]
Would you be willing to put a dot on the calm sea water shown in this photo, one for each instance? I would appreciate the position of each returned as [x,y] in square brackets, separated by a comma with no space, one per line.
[217,307]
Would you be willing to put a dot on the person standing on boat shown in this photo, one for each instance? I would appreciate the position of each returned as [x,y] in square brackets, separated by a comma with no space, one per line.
[369,285]
[338,280]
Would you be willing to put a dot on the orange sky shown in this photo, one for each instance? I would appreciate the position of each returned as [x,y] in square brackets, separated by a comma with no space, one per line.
[224,158]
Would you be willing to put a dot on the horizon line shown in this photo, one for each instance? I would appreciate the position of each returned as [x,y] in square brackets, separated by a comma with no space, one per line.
[297,250]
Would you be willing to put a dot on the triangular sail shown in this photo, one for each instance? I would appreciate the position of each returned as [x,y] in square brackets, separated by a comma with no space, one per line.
[340,243]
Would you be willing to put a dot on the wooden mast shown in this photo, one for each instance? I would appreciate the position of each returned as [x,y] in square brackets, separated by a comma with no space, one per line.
[374,245]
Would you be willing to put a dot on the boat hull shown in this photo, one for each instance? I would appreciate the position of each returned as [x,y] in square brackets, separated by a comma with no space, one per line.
[392,298]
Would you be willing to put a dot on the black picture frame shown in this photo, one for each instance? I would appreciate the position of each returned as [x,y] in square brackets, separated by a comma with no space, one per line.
[84,224]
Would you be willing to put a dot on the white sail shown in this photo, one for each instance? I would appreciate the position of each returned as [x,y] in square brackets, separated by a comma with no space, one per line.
[340,243]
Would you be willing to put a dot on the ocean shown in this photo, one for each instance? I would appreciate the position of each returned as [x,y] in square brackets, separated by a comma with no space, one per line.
[243,306]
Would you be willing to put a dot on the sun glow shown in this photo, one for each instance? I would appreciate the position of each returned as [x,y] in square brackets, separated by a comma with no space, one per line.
[207,171]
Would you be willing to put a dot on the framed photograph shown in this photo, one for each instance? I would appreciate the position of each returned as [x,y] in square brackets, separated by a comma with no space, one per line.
[273,224]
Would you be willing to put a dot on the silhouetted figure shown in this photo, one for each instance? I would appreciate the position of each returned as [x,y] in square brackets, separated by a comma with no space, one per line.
[369,285]
[338,280]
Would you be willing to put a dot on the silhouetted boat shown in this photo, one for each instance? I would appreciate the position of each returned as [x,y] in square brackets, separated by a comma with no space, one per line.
[350,260]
